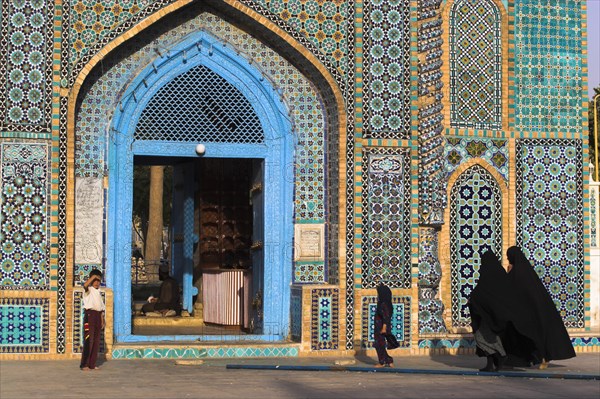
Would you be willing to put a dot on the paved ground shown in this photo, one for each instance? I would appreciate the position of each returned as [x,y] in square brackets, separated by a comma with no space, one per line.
[166,379]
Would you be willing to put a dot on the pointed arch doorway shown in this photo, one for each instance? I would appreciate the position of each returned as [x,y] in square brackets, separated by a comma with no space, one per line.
[203,92]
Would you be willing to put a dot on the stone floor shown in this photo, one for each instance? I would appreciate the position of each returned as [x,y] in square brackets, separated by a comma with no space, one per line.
[211,379]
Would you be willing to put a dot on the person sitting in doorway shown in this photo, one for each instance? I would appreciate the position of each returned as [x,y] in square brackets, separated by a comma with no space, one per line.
[167,304]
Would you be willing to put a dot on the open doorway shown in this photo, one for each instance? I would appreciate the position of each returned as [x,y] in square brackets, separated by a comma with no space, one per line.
[212,214]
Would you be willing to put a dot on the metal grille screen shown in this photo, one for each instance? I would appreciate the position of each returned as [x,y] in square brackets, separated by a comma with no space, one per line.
[199,105]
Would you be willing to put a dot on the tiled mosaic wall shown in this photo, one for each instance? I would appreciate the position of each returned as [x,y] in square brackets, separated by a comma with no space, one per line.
[91,24]
[24,216]
[475,227]
[320,26]
[400,320]
[549,65]
[550,219]
[475,64]
[387,65]
[24,325]
[594,216]
[431,178]
[27,31]
[548,84]
[386,219]
[325,314]
[323,23]
[461,149]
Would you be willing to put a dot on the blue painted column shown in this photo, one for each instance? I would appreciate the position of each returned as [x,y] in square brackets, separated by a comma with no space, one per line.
[189,238]
[257,246]
[183,237]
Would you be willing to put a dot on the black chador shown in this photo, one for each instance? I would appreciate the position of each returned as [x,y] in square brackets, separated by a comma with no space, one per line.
[499,321]
[552,339]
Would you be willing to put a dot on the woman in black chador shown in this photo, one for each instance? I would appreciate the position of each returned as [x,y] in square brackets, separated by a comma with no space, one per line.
[383,321]
[498,320]
[553,342]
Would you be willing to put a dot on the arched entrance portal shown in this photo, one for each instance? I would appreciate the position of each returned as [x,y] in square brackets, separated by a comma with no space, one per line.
[198,59]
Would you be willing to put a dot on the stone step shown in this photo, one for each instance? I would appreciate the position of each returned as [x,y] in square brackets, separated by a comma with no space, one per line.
[176,321]
[205,350]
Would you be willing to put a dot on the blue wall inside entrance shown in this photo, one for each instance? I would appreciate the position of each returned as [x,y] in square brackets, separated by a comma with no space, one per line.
[200,48]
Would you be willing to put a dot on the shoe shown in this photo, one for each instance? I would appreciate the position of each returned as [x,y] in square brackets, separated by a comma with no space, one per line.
[490,364]
[544,364]
[170,313]
[499,361]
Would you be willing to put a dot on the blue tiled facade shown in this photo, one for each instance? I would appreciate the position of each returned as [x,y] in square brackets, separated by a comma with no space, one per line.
[388,101]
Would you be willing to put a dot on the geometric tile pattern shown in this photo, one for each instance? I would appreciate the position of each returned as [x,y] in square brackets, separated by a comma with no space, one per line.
[549,64]
[475,65]
[317,25]
[475,227]
[550,219]
[461,149]
[27,31]
[431,319]
[59,145]
[324,328]
[23,216]
[92,24]
[321,22]
[446,343]
[296,314]
[386,244]
[81,273]
[583,342]
[400,320]
[432,180]
[431,309]
[387,67]
[24,325]
[353,107]
[309,272]
[307,113]
[199,353]
[593,216]
[577,342]
[78,316]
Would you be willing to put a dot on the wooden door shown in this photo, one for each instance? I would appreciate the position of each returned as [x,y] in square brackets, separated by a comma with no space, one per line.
[225,213]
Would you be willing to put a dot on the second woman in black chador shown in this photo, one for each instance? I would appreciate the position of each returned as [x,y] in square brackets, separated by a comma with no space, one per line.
[550,334]
[383,321]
